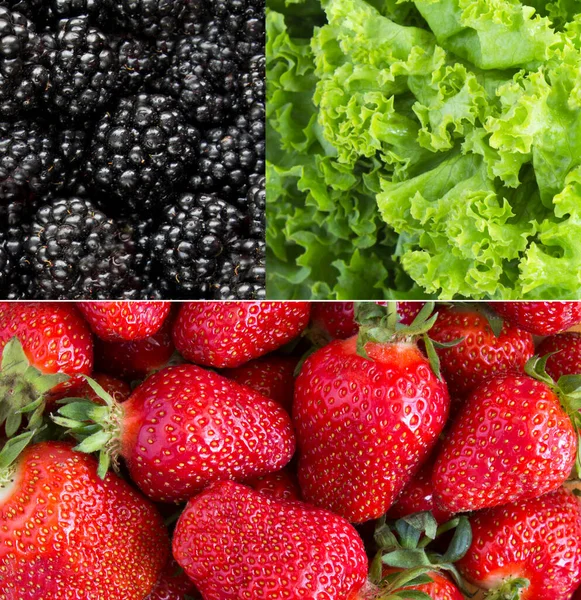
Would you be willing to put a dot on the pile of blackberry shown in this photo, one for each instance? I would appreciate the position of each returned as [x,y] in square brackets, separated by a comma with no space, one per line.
[132,149]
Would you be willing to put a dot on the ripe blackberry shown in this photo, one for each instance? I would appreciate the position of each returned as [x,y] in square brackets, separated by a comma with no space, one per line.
[241,22]
[193,242]
[24,63]
[30,159]
[151,18]
[75,251]
[141,151]
[140,61]
[243,273]
[228,157]
[204,78]
[257,209]
[98,11]
[85,69]
[194,17]
[12,237]
[146,270]
[35,10]
[253,81]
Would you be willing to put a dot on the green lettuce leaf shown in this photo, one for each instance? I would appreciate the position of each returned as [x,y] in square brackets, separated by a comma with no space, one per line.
[425,148]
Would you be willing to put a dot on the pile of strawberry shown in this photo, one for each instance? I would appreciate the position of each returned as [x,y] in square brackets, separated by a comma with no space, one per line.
[290,450]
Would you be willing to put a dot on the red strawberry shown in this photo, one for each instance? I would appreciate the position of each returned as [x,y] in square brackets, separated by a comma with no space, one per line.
[116,321]
[418,496]
[538,540]
[185,427]
[408,311]
[229,334]
[364,426]
[234,542]
[281,485]
[567,357]
[43,350]
[271,376]
[173,584]
[440,588]
[511,441]
[138,358]
[540,318]
[336,320]
[118,389]
[54,337]
[65,531]
[481,354]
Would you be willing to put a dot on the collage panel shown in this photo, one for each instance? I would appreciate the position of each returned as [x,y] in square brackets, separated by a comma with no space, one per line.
[423,149]
[132,149]
[290,450]
[289,300]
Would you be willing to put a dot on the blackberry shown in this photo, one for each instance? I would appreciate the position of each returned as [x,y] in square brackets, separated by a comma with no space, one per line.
[146,269]
[243,273]
[253,82]
[204,78]
[151,18]
[140,62]
[228,157]
[99,11]
[194,241]
[257,209]
[85,69]
[35,10]
[241,22]
[30,159]
[194,17]
[24,72]
[13,279]
[141,151]
[75,251]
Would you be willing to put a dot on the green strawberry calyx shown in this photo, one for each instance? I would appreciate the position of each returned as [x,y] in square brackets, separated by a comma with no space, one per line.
[97,428]
[407,544]
[382,325]
[567,389]
[511,589]
[9,454]
[23,389]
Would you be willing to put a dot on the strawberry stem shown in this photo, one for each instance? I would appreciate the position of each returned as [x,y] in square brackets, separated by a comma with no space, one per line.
[10,453]
[510,590]
[22,389]
[97,428]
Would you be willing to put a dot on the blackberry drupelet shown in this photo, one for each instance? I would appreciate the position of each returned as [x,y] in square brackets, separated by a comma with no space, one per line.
[30,159]
[85,69]
[150,18]
[141,151]
[24,64]
[228,158]
[75,251]
[193,242]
